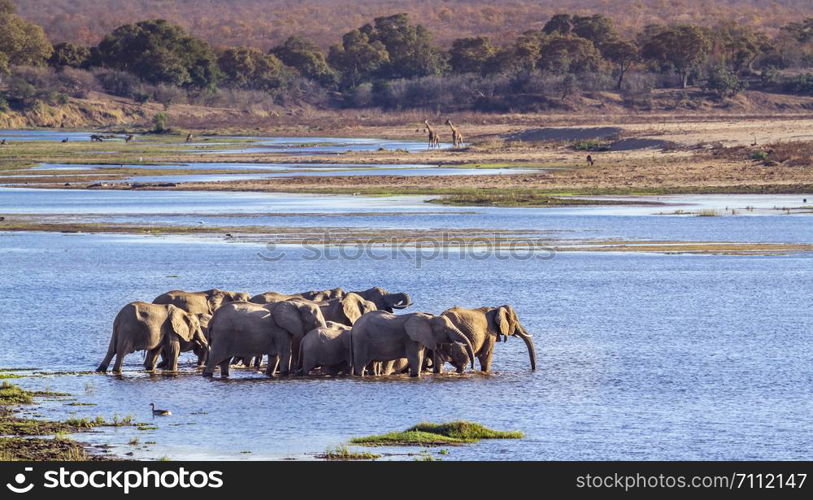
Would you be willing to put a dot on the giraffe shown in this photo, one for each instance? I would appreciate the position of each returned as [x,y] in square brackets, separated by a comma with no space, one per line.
[457,137]
[434,140]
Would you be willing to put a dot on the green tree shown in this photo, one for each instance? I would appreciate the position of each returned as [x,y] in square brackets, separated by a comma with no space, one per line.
[471,55]
[723,82]
[409,47]
[568,54]
[596,28]
[622,54]
[160,52]
[683,47]
[159,123]
[67,54]
[358,59]
[249,68]
[738,47]
[559,23]
[21,42]
[307,58]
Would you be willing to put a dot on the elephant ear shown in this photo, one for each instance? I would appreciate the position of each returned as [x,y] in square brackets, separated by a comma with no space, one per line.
[216,298]
[287,316]
[419,330]
[351,307]
[367,306]
[355,306]
[502,321]
[204,320]
[180,323]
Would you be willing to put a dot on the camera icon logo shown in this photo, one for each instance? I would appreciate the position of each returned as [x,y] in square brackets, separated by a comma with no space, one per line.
[20,486]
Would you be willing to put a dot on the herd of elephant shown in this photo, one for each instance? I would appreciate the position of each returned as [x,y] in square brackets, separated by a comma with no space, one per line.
[335,331]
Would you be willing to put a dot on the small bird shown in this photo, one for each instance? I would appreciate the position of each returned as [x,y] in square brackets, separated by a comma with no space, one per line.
[159,413]
[590,160]
[64,140]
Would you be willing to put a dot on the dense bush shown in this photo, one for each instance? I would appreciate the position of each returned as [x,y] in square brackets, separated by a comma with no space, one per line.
[394,63]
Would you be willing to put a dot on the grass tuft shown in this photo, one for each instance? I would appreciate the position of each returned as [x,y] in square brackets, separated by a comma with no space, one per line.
[10,394]
[344,453]
[430,434]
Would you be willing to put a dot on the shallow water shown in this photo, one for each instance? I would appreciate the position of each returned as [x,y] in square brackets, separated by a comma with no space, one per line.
[211,209]
[640,356]
[44,135]
[244,144]
[320,145]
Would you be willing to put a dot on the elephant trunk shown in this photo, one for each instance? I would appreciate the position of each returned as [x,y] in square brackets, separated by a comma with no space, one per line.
[401,301]
[462,339]
[529,343]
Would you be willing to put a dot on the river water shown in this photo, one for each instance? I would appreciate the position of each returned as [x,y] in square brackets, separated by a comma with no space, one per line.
[641,356]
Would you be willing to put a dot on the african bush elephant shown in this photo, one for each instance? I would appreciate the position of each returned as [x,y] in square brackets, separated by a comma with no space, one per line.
[200,351]
[383,336]
[316,296]
[384,300]
[205,302]
[483,327]
[328,347]
[152,327]
[346,310]
[245,330]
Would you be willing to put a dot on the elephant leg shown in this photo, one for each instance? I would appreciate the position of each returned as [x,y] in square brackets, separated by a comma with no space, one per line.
[258,361]
[437,362]
[150,359]
[273,363]
[285,359]
[359,366]
[224,369]
[172,350]
[486,355]
[119,362]
[163,364]
[203,356]
[415,359]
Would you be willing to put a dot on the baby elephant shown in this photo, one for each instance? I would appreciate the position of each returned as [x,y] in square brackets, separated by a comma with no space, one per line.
[328,347]
[153,328]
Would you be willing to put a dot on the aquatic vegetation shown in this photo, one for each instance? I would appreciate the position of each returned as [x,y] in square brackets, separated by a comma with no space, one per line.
[10,394]
[344,453]
[430,434]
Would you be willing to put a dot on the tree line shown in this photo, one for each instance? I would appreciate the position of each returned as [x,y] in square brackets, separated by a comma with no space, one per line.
[392,62]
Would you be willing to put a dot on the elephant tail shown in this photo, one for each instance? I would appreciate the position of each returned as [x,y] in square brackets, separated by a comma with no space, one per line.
[111,349]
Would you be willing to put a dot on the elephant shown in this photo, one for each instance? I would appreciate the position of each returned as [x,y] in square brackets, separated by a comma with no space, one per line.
[328,347]
[245,329]
[316,296]
[384,300]
[195,347]
[483,327]
[205,302]
[383,336]
[346,310]
[153,328]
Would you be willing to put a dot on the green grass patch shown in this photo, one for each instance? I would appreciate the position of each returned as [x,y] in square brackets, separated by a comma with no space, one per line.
[591,145]
[344,453]
[10,394]
[430,434]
